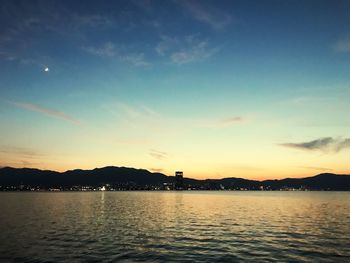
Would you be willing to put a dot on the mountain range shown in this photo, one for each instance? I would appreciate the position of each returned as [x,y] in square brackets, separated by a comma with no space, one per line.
[130,178]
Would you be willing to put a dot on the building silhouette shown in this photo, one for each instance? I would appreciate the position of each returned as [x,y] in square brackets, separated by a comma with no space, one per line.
[179,180]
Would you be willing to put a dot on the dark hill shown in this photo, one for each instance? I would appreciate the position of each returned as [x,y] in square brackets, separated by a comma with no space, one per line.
[142,179]
[96,177]
[325,181]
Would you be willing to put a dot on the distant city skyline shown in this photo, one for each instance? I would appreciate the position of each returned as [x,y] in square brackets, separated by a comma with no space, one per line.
[252,89]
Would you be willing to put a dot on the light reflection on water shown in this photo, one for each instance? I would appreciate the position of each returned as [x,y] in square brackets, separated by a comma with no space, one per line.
[175,226]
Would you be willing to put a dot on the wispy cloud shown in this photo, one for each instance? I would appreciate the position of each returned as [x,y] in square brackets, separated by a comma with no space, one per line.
[136,59]
[26,21]
[327,144]
[218,123]
[15,156]
[157,170]
[110,50]
[49,112]
[143,4]
[144,126]
[140,118]
[209,15]
[199,51]
[105,50]
[158,154]
[322,169]
[49,19]
[343,45]
[132,141]
[92,21]
[234,119]
[183,50]
[5,55]
[39,61]
[45,16]
[135,113]
[166,44]
[150,119]
[20,151]
[20,164]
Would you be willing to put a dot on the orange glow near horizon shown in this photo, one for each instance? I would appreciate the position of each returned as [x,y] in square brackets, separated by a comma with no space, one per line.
[192,172]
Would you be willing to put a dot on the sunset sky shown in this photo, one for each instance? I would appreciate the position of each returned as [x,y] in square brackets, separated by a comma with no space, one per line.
[252,89]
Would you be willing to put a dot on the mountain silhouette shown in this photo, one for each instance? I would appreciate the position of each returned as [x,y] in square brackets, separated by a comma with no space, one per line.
[141,179]
[98,176]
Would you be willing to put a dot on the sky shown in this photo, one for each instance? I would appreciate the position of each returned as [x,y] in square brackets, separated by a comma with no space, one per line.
[251,89]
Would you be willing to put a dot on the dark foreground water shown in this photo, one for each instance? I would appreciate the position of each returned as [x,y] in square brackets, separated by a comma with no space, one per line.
[175,226]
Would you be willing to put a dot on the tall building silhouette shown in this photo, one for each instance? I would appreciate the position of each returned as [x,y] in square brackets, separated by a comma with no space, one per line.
[179,180]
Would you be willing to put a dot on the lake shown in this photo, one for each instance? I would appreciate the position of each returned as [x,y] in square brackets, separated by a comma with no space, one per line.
[232,226]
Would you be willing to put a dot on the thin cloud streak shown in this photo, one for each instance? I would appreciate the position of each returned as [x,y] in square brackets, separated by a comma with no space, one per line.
[20,164]
[327,144]
[148,119]
[232,119]
[15,156]
[219,124]
[343,45]
[49,112]
[43,17]
[20,151]
[106,50]
[198,52]
[185,50]
[157,170]
[133,141]
[136,59]
[110,50]
[208,15]
[315,168]
[158,154]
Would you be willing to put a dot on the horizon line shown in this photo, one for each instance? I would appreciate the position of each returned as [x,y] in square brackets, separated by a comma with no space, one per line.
[2,167]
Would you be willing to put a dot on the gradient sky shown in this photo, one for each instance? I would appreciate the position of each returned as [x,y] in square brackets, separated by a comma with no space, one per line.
[252,89]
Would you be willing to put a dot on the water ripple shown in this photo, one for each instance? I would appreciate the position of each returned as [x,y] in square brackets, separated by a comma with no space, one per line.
[175,227]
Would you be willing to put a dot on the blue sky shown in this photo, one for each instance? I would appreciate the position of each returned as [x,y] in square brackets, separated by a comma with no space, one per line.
[256,89]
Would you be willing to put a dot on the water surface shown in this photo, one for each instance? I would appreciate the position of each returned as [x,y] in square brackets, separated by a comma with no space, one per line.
[175,226]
